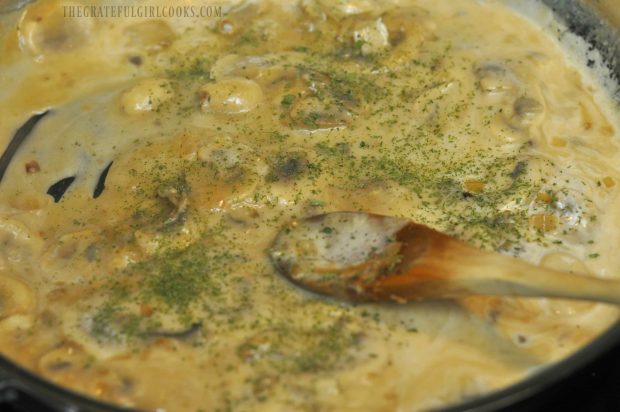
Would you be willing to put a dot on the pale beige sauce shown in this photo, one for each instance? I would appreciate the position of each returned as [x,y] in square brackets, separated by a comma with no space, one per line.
[461,115]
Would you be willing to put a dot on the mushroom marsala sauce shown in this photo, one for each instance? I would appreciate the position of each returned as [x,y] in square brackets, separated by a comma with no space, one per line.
[149,163]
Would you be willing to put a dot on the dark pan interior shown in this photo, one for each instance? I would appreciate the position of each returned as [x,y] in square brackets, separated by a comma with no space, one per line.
[594,29]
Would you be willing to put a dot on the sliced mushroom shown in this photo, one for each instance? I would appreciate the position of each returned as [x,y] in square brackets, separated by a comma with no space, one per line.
[19,243]
[409,27]
[216,171]
[312,113]
[71,364]
[308,97]
[177,333]
[239,16]
[341,9]
[113,325]
[571,210]
[527,109]
[372,38]
[299,348]
[225,157]
[265,69]
[287,166]
[64,251]
[43,28]
[148,240]
[177,197]
[234,65]
[151,36]
[16,298]
[429,101]
[521,115]
[65,358]
[30,201]
[243,214]
[230,96]
[494,78]
[146,96]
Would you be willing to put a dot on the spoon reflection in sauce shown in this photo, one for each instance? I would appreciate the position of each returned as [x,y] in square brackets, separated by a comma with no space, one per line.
[363,257]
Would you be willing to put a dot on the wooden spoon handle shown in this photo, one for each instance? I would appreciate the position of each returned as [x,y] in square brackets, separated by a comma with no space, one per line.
[495,274]
[448,268]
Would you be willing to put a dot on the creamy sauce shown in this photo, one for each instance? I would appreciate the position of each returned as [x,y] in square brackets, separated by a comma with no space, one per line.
[151,287]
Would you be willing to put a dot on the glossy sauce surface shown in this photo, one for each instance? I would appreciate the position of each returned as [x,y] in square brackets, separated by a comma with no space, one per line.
[149,285]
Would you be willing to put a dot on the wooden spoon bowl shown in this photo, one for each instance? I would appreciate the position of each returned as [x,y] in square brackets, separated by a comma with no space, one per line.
[366,257]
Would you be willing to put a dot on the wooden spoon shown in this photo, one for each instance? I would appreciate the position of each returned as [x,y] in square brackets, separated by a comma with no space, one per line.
[366,257]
